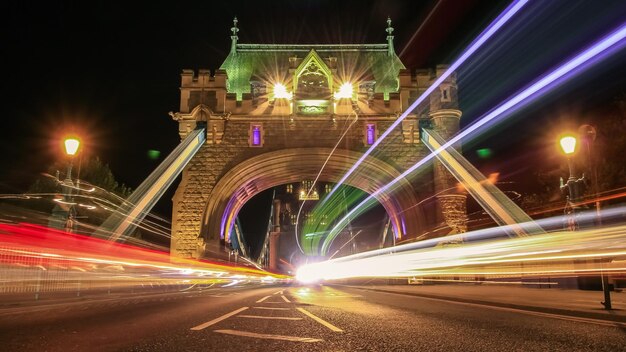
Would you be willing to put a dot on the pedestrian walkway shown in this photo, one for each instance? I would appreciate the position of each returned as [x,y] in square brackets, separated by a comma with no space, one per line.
[572,302]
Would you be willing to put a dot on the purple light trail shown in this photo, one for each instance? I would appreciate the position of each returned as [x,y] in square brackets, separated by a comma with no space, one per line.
[593,54]
[503,18]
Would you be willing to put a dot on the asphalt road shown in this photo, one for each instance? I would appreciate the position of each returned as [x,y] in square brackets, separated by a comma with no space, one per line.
[316,318]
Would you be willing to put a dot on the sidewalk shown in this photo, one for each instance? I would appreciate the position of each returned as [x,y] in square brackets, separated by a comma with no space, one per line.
[557,301]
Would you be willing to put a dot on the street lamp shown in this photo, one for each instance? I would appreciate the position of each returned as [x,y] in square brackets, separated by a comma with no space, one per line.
[574,186]
[71,148]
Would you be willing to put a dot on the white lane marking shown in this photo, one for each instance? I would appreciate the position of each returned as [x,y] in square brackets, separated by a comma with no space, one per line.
[271,308]
[262,299]
[265,317]
[268,336]
[320,320]
[286,299]
[217,320]
[273,302]
[520,311]
[278,292]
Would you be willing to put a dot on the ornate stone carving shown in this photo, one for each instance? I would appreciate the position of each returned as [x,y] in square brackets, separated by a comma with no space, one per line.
[410,131]
[454,211]
[215,131]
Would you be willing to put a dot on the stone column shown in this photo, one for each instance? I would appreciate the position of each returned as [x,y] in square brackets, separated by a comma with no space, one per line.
[445,115]
[274,237]
[274,246]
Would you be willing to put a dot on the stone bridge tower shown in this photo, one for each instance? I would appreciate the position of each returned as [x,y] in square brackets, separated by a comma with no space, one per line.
[273,114]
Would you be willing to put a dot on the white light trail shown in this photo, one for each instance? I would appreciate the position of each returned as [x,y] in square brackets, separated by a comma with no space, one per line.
[504,17]
[591,55]
[553,253]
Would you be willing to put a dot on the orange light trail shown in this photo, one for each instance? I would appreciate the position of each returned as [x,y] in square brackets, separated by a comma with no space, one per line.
[34,258]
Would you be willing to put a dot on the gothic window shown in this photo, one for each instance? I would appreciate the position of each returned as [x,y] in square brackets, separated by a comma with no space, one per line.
[370,133]
[328,188]
[445,94]
[313,83]
[256,135]
[290,188]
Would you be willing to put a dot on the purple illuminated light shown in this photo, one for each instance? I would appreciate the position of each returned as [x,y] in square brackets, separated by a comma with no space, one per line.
[256,135]
[590,56]
[371,133]
[504,17]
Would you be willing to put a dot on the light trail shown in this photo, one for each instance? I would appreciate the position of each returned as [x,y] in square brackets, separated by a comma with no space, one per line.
[500,21]
[356,117]
[422,25]
[38,259]
[588,57]
[556,254]
[609,215]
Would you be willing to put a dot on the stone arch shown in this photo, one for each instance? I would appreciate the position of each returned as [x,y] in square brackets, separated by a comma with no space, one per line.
[271,169]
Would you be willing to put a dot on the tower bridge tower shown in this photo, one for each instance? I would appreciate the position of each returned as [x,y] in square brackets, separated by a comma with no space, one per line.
[273,114]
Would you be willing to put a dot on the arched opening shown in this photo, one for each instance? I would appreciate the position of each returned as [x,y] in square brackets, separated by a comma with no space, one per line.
[305,221]
[272,169]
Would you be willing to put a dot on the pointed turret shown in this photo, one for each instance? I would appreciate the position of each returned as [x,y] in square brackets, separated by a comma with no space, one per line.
[234,37]
[389,31]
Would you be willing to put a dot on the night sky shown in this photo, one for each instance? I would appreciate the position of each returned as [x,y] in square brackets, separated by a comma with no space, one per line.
[109,71]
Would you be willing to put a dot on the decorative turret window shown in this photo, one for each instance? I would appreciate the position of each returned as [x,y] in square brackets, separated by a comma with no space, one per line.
[256,135]
[370,133]
[445,94]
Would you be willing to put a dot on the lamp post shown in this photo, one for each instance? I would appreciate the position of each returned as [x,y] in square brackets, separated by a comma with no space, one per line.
[575,189]
[71,148]
[574,186]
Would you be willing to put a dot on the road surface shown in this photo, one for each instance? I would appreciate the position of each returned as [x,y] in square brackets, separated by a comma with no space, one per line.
[315,318]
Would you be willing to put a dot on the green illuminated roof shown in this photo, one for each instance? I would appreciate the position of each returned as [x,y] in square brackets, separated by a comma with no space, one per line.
[271,63]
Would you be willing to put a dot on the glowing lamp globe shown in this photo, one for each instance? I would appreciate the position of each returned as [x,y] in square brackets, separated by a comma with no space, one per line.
[568,144]
[345,91]
[71,146]
[280,92]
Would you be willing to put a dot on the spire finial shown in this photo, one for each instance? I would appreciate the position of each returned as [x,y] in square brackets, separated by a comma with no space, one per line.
[389,31]
[234,29]
[233,38]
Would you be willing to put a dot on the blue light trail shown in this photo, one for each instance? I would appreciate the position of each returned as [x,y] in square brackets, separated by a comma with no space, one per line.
[593,54]
[502,19]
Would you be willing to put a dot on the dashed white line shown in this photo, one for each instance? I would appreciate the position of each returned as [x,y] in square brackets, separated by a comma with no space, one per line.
[262,299]
[320,320]
[286,299]
[266,317]
[271,308]
[217,320]
[268,336]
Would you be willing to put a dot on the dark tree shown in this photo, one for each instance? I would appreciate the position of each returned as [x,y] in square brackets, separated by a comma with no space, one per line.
[91,170]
